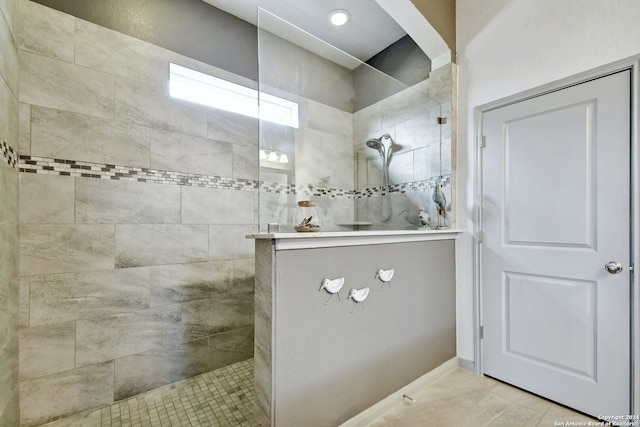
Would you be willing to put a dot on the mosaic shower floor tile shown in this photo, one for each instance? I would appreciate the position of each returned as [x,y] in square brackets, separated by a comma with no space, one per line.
[223,397]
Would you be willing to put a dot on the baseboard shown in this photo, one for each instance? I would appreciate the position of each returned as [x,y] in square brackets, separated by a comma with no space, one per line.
[467,364]
[370,414]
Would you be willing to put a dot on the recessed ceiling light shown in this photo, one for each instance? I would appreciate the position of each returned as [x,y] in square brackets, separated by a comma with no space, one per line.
[339,17]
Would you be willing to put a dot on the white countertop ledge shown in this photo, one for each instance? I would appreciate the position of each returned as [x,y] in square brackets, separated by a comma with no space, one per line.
[327,239]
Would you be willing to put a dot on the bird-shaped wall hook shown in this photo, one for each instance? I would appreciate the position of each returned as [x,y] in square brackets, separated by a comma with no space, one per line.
[425,218]
[440,200]
[385,276]
[333,287]
[359,295]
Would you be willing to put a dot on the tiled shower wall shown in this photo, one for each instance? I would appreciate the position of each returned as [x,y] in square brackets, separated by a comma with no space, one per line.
[421,157]
[134,269]
[9,213]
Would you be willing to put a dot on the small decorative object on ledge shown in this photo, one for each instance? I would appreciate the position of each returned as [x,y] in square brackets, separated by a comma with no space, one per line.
[425,218]
[333,287]
[358,295]
[385,276]
[440,201]
[307,217]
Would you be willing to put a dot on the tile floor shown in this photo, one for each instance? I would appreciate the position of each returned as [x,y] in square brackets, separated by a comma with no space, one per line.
[225,398]
[463,399]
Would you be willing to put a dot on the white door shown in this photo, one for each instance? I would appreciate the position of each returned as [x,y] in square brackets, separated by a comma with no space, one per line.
[555,210]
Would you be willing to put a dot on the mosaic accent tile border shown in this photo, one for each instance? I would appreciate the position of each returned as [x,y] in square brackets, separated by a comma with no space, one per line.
[75,168]
[8,154]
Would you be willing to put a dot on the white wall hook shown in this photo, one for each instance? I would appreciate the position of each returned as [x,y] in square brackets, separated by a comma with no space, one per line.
[385,276]
[359,295]
[333,287]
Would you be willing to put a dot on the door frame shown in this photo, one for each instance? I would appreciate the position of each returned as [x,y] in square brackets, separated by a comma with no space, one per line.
[632,64]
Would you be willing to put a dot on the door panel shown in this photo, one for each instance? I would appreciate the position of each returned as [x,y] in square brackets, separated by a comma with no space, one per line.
[555,209]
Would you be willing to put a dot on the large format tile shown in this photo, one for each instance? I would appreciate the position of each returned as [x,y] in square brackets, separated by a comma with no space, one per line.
[24,129]
[150,105]
[9,9]
[217,314]
[230,242]
[245,162]
[192,154]
[56,84]
[230,347]
[324,160]
[10,417]
[233,128]
[244,276]
[46,31]
[9,115]
[106,50]
[9,191]
[9,58]
[46,350]
[46,249]
[23,321]
[217,206]
[140,245]
[66,393]
[109,337]
[189,282]
[107,201]
[46,199]
[65,135]
[72,296]
[145,371]
[8,280]
[8,370]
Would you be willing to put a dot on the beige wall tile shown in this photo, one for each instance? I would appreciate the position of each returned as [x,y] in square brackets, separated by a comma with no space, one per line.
[24,129]
[9,58]
[23,322]
[150,105]
[222,313]
[72,296]
[66,135]
[151,369]
[109,337]
[186,153]
[46,249]
[216,206]
[232,127]
[46,31]
[245,162]
[230,242]
[11,414]
[9,113]
[110,201]
[9,193]
[9,9]
[66,393]
[8,370]
[46,199]
[106,50]
[189,282]
[141,245]
[8,281]
[46,350]
[56,84]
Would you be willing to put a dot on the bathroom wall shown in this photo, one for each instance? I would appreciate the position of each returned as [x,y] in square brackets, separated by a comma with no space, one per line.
[421,155]
[9,214]
[134,269]
[493,65]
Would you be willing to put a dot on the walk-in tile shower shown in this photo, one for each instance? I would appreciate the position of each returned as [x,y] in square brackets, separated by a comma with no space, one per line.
[342,103]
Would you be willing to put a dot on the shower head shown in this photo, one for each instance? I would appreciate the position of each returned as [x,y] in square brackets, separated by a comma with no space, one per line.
[376,144]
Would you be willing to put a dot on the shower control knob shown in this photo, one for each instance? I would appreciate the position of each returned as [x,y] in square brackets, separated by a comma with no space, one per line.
[613,267]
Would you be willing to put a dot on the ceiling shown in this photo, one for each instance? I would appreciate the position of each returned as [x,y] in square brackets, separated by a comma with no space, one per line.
[369,31]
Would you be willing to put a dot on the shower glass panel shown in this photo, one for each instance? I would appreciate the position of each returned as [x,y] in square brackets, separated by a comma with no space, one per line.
[350,128]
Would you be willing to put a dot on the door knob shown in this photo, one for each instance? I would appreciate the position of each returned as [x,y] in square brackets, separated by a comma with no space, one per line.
[613,267]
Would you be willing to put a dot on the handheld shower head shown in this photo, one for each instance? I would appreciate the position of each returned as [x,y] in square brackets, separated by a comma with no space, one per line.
[375,144]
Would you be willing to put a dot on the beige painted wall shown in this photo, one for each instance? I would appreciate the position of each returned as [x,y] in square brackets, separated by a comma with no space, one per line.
[441,14]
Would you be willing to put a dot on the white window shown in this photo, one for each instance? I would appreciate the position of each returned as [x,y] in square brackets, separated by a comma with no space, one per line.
[194,86]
